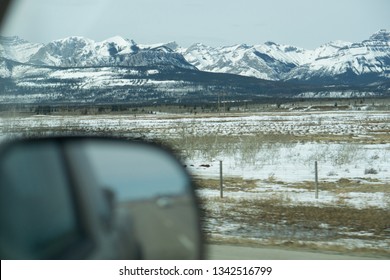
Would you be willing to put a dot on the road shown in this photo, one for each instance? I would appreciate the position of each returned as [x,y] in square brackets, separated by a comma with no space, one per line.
[228,252]
[166,232]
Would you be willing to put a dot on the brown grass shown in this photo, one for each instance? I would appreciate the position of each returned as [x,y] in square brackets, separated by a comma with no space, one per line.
[296,244]
[343,185]
[252,212]
[277,213]
[230,183]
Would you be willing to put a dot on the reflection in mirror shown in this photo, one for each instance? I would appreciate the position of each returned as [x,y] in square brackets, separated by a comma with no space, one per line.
[151,185]
[136,172]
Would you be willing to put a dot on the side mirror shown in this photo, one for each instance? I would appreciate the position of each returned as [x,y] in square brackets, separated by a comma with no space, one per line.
[95,198]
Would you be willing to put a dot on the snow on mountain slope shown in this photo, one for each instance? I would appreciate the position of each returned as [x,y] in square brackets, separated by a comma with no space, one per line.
[370,57]
[256,61]
[116,51]
[170,46]
[282,62]
[17,49]
[337,62]
[269,61]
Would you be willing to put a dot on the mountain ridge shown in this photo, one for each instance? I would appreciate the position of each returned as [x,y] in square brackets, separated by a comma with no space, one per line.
[273,61]
[77,69]
[269,61]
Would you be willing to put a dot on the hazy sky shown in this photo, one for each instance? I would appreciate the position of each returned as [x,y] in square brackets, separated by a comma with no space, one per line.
[302,23]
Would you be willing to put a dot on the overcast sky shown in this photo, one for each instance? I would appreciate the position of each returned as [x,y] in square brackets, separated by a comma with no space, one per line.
[302,23]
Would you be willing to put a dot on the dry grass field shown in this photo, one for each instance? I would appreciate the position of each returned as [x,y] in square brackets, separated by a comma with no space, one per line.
[268,169]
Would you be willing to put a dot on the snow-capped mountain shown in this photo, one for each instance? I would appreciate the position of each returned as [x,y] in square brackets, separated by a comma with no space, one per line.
[78,69]
[336,61]
[360,63]
[17,49]
[82,52]
[266,61]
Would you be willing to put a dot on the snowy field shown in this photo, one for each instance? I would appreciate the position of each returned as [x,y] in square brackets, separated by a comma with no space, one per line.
[276,152]
[351,144]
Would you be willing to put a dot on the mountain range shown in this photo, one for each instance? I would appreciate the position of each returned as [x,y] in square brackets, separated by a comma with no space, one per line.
[78,69]
[337,62]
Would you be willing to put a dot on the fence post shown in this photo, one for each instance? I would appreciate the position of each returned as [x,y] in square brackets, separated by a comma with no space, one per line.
[316,177]
[220,179]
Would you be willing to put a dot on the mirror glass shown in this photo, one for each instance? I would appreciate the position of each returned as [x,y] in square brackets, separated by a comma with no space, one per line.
[152,186]
[136,172]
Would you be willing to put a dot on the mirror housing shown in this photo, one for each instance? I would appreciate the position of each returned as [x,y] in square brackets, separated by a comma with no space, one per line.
[99,198]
